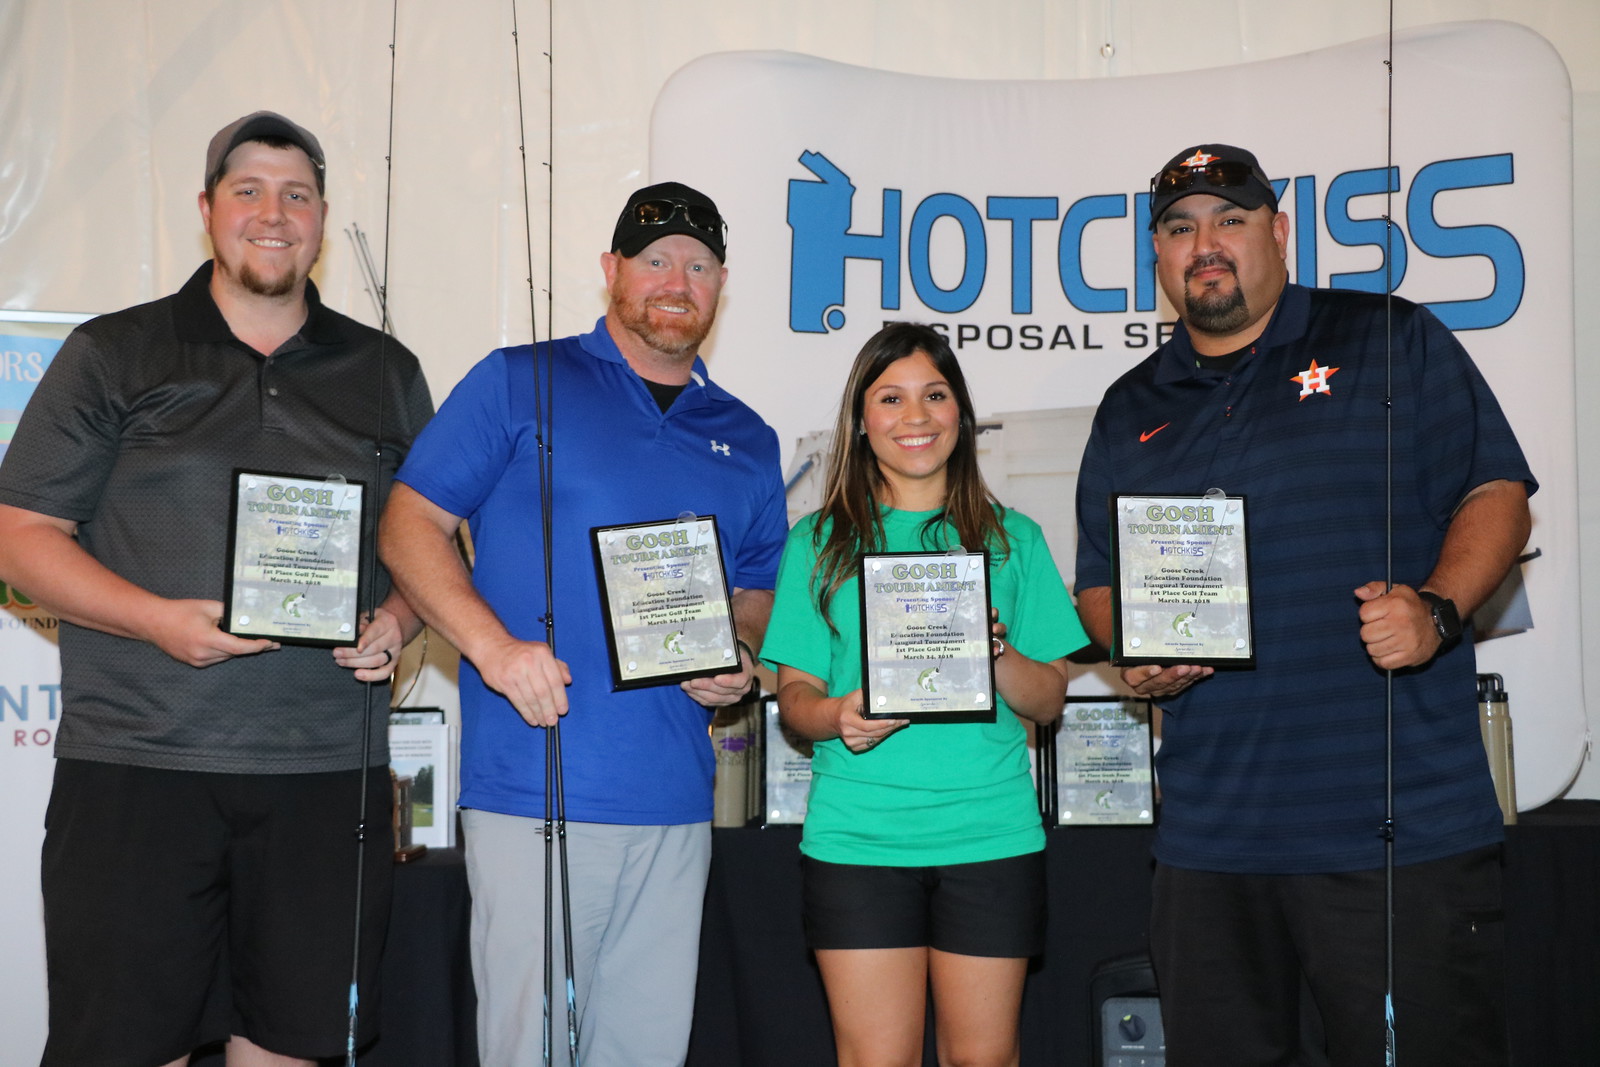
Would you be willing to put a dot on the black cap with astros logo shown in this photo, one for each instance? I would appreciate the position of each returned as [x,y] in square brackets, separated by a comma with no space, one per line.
[1219,169]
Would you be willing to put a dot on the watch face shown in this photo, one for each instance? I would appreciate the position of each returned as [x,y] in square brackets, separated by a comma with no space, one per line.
[1446,620]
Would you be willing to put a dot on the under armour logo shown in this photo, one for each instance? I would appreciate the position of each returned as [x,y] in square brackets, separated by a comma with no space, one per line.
[724,449]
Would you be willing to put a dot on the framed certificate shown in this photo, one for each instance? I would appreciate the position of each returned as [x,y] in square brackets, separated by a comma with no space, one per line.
[425,753]
[296,555]
[665,601]
[926,653]
[1100,753]
[1182,588]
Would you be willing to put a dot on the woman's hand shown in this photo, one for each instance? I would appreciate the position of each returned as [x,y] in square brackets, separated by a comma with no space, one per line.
[809,711]
[861,734]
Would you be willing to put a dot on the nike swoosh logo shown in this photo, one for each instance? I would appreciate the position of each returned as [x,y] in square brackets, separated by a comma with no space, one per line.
[1146,436]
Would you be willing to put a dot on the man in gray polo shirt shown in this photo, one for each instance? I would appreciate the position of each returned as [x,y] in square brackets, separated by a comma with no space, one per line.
[199,867]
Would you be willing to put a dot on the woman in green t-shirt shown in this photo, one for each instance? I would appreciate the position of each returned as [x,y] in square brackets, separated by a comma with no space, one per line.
[923,847]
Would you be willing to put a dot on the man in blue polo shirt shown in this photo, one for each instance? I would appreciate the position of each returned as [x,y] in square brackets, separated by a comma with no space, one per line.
[639,434]
[1270,852]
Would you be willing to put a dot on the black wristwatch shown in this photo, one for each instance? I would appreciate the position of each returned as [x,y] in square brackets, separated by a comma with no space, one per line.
[1446,620]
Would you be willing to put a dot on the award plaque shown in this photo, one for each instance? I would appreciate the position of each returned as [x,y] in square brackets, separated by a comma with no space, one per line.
[787,774]
[926,653]
[1102,763]
[1182,587]
[295,558]
[664,598]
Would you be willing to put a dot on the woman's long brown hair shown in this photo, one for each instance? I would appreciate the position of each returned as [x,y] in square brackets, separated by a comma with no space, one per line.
[850,521]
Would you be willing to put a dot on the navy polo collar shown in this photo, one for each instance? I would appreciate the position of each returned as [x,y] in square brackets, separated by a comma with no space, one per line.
[1288,325]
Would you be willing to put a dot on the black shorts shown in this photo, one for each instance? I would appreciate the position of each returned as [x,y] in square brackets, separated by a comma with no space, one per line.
[182,907]
[994,908]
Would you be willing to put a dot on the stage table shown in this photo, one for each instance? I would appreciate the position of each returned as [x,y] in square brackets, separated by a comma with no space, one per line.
[759,1001]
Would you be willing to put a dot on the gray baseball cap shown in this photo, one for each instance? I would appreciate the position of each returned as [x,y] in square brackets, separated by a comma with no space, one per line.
[253,127]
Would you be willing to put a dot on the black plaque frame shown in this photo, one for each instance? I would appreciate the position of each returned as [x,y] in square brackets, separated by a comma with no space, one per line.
[231,584]
[1121,654]
[620,679]
[965,713]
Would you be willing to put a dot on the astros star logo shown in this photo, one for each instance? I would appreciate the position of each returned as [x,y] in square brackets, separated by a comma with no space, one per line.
[1314,379]
[1199,159]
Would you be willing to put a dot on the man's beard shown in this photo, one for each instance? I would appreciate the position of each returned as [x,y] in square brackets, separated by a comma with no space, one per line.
[282,285]
[673,338]
[1210,311]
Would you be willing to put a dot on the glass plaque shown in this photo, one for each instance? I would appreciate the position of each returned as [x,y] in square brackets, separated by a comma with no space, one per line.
[1102,763]
[295,558]
[787,773]
[665,601]
[1182,589]
[925,637]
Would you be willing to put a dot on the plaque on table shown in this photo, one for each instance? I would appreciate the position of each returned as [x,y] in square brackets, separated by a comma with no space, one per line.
[787,772]
[295,558]
[1102,763]
[665,601]
[926,649]
[1181,592]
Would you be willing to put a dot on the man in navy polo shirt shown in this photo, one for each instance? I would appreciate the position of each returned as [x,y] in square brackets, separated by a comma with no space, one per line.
[639,434]
[1270,852]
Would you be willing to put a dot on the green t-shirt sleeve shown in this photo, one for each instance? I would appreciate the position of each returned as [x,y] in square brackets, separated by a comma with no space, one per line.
[1044,624]
[797,635]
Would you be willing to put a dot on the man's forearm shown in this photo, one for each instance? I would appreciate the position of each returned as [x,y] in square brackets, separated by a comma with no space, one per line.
[1486,534]
[411,623]
[751,610]
[418,547]
[1094,611]
[40,556]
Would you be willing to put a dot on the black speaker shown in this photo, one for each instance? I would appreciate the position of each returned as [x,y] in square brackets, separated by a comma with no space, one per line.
[1126,1010]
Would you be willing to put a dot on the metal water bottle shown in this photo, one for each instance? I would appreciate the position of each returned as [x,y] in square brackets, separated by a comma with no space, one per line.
[1494,720]
[732,740]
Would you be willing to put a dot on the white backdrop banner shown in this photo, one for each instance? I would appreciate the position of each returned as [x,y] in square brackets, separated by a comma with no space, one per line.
[1014,216]
[30,691]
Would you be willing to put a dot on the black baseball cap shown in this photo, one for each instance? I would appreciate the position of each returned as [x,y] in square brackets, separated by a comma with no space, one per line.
[253,127]
[1219,169]
[664,209]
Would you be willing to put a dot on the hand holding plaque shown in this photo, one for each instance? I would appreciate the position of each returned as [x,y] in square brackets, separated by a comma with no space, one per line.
[925,639]
[295,558]
[665,601]
[1182,588]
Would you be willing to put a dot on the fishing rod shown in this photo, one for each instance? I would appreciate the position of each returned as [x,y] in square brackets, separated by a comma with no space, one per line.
[382,296]
[555,815]
[370,282]
[1388,829]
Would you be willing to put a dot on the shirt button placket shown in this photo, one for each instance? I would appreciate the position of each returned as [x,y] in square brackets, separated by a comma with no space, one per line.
[269,392]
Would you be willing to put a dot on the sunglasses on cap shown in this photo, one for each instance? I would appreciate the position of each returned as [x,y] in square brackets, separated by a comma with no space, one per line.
[1223,175]
[661,212]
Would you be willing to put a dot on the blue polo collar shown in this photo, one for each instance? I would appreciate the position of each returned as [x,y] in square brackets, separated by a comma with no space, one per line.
[598,343]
